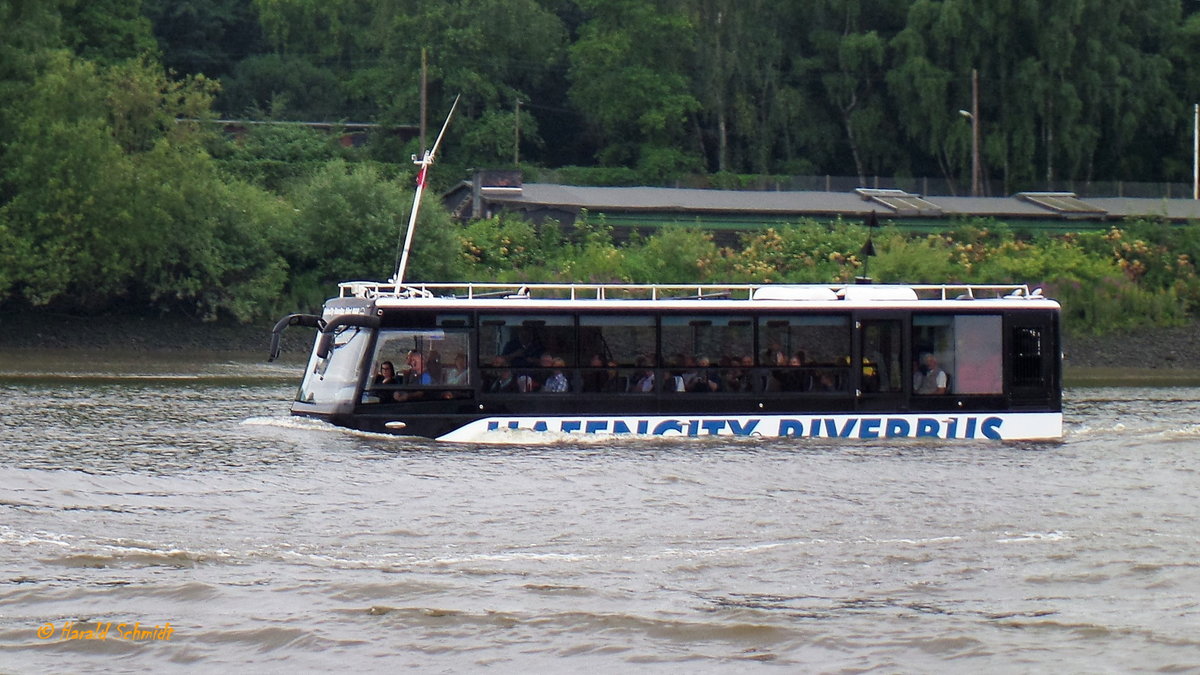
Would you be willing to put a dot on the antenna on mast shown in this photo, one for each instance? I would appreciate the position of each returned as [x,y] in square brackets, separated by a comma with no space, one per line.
[424,163]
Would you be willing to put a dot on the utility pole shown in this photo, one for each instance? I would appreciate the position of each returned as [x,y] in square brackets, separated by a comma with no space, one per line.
[1196,153]
[424,96]
[976,168]
[517,134]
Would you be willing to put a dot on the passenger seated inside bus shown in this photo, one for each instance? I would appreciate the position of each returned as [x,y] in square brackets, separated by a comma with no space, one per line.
[556,382]
[524,349]
[433,365]
[930,378]
[644,378]
[499,378]
[417,375]
[386,374]
[707,379]
[826,381]
[738,374]
[792,376]
[597,375]
[456,374]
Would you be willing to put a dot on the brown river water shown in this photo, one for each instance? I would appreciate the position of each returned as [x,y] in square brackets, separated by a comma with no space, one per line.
[167,515]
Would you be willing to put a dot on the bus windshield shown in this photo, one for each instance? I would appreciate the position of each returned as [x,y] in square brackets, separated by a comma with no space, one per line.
[333,379]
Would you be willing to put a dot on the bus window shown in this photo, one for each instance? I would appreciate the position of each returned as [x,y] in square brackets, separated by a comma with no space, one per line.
[706,353]
[616,353]
[520,353]
[881,354]
[412,365]
[333,379]
[805,352]
[968,348]
[1027,357]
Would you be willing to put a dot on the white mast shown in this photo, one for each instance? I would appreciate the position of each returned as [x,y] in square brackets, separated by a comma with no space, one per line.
[424,163]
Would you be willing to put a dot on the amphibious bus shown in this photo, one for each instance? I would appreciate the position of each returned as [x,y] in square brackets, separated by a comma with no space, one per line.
[523,363]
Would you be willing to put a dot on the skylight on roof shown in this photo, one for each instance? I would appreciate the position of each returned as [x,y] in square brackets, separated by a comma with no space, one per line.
[1065,203]
[903,203]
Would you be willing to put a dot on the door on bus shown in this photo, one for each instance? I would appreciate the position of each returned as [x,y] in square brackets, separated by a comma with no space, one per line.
[878,365]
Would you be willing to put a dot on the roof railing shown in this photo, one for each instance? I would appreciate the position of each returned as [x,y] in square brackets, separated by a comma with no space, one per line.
[659,292]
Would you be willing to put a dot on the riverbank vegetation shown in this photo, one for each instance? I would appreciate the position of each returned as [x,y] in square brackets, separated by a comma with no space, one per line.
[117,192]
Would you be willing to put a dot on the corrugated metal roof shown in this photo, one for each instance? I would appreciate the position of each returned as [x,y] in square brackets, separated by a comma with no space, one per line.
[686,199]
[1136,207]
[851,205]
[990,207]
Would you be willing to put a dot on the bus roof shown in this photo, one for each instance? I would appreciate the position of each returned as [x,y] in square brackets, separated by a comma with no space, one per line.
[719,297]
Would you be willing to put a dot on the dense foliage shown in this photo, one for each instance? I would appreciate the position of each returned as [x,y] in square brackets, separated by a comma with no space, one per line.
[117,191]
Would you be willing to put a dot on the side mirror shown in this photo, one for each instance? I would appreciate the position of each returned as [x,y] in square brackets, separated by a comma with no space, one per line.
[307,320]
[325,344]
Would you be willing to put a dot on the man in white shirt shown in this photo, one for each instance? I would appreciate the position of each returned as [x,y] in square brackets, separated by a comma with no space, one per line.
[934,381]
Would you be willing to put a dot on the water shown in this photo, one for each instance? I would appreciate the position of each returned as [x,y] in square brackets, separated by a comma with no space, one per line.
[153,491]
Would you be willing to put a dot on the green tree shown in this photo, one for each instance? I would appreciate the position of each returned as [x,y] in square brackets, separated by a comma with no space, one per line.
[114,201]
[629,78]
[1066,89]
[750,75]
[350,222]
[107,31]
[204,36]
[849,41]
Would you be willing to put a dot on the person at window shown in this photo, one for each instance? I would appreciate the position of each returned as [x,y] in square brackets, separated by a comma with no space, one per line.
[645,375]
[536,379]
[386,373]
[740,379]
[524,349]
[826,382]
[417,373]
[433,365]
[934,380]
[794,377]
[596,378]
[690,372]
[707,380]
[503,380]
[457,373]
[557,382]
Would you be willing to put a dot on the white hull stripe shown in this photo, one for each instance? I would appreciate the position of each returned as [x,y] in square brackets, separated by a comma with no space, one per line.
[985,426]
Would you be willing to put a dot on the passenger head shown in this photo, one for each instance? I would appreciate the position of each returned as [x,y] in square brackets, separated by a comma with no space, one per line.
[546,360]
[416,361]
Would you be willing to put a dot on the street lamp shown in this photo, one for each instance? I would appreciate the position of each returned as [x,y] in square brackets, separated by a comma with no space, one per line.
[973,115]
